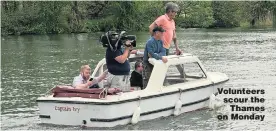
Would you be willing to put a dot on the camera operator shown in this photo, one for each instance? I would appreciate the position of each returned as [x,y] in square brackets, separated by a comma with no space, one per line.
[118,66]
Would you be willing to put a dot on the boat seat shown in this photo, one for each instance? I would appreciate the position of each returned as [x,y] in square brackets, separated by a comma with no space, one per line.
[96,93]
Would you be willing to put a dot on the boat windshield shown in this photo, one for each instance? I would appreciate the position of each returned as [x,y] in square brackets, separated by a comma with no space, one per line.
[183,73]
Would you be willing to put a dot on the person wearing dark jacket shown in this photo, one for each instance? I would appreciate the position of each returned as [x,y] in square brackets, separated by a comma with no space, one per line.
[136,79]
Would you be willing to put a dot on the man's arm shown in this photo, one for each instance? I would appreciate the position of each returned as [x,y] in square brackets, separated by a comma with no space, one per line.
[163,54]
[102,76]
[79,85]
[174,40]
[163,51]
[158,22]
[178,51]
[122,58]
[150,49]
[151,27]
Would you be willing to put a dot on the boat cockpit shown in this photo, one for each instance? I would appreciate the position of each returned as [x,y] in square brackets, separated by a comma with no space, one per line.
[178,70]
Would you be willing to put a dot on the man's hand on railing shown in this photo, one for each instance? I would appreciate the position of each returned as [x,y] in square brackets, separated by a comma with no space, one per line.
[164,59]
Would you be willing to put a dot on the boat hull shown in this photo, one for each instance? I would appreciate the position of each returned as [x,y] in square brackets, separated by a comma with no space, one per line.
[109,114]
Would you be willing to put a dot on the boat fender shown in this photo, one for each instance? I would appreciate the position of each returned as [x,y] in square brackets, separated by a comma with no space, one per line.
[212,101]
[177,108]
[218,104]
[83,124]
[136,115]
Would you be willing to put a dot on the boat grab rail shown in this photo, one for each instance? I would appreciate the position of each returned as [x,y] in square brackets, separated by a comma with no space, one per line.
[178,56]
[104,92]
[47,92]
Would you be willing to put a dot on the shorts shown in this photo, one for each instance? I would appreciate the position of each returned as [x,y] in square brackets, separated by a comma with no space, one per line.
[119,81]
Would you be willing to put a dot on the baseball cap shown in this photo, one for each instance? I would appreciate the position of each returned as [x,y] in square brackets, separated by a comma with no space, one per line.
[158,28]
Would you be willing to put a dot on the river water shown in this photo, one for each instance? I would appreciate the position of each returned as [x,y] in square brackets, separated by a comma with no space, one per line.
[33,64]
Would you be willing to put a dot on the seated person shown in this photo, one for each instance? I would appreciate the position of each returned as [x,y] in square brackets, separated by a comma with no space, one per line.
[82,81]
[136,79]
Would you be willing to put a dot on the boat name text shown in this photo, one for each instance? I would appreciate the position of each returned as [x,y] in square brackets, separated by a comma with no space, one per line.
[66,108]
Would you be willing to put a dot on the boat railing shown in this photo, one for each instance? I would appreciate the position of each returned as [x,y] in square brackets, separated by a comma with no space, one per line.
[48,92]
[93,93]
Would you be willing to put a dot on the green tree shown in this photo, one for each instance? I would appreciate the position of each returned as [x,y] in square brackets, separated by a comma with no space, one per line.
[195,14]
[274,16]
[42,17]
[225,13]
[258,11]
[52,18]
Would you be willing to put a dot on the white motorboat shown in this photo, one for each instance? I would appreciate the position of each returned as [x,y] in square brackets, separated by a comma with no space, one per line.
[180,85]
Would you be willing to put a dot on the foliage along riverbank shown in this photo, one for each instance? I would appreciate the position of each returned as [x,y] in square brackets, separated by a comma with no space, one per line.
[52,17]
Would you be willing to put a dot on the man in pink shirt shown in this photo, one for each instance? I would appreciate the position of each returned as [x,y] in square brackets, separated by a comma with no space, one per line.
[166,21]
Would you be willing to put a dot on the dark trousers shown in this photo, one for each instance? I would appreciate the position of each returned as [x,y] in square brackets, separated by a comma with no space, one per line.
[167,52]
[146,73]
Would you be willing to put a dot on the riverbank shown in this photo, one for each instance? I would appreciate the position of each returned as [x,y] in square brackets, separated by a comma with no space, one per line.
[242,28]
[59,17]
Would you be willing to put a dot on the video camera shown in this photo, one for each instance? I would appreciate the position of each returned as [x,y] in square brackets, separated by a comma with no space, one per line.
[114,40]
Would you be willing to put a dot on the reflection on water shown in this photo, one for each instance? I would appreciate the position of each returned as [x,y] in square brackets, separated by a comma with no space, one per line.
[33,64]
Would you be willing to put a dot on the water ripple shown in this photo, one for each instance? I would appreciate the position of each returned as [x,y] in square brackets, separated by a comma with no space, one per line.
[31,65]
